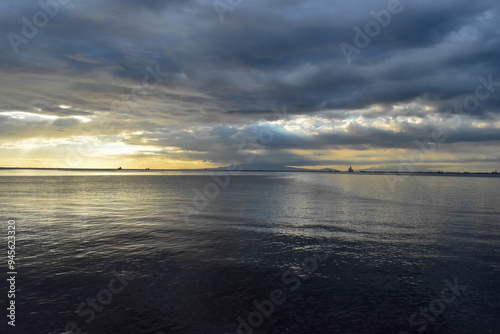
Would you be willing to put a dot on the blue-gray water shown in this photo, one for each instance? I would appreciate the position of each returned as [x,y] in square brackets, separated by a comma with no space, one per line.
[197,254]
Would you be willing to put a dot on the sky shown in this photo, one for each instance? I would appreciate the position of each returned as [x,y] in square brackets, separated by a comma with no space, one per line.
[379,85]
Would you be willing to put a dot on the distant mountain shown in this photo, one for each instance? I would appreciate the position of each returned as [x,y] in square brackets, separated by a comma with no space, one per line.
[329,170]
[264,167]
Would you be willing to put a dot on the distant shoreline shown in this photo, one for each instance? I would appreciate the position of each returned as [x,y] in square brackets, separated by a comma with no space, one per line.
[256,171]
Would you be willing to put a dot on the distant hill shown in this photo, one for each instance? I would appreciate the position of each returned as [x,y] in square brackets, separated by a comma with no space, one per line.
[264,167]
[329,170]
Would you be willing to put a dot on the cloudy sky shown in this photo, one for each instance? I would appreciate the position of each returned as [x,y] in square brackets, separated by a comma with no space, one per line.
[203,83]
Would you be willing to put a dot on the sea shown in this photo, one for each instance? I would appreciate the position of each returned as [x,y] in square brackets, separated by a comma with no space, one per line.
[105,252]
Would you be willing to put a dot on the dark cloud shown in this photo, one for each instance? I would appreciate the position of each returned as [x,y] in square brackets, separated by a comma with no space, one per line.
[173,69]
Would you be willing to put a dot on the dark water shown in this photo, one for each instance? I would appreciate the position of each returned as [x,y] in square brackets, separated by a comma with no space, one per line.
[337,253]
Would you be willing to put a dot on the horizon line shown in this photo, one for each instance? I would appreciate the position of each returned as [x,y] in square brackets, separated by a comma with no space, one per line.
[224,169]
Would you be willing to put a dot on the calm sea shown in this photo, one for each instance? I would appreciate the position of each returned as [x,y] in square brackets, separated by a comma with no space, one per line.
[166,252]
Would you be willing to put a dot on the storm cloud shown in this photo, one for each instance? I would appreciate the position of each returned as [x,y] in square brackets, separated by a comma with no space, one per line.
[296,83]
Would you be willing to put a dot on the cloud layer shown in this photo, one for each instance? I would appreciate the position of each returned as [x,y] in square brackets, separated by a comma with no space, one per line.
[292,83]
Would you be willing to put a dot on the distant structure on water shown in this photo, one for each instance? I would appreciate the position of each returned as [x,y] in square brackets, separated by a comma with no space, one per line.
[350,170]
[119,168]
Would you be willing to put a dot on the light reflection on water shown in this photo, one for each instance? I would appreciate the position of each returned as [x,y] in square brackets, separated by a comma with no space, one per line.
[389,251]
